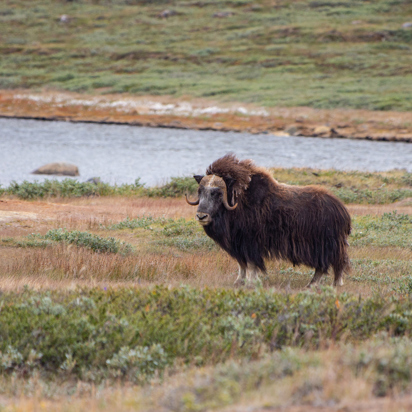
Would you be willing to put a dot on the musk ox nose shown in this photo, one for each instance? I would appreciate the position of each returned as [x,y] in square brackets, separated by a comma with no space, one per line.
[202,216]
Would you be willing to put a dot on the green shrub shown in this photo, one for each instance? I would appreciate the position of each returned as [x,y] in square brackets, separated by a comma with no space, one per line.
[89,240]
[144,222]
[68,188]
[137,364]
[407,179]
[366,188]
[52,188]
[178,186]
[180,227]
[199,241]
[371,196]
[390,229]
[132,333]
[387,360]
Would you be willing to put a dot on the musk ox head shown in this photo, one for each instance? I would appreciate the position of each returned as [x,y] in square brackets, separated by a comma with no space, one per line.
[212,198]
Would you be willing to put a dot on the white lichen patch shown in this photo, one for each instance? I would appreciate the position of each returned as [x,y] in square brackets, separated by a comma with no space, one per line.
[140,106]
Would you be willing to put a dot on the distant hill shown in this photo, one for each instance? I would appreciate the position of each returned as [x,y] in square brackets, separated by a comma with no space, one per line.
[322,54]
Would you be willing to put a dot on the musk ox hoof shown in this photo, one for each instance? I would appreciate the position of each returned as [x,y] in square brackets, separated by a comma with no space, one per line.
[251,285]
[310,285]
[239,283]
[254,283]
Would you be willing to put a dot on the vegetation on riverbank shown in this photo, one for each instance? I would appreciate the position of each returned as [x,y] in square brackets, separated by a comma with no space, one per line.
[350,187]
[331,54]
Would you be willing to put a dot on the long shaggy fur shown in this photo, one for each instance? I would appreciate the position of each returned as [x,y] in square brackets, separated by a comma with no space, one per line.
[305,225]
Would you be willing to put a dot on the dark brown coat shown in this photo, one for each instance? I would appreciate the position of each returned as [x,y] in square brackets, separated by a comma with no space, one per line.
[304,225]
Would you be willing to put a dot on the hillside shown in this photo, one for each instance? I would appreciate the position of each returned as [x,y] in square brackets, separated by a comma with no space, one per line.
[321,54]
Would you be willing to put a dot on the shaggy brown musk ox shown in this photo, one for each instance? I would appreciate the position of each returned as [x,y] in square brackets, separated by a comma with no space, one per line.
[253,217]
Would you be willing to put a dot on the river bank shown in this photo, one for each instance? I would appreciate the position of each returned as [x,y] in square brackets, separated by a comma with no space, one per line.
[204,114]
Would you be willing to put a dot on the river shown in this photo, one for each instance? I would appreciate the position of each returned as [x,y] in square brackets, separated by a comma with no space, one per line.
[120,154]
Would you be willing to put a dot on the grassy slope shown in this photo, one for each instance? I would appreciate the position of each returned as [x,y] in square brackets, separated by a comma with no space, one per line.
[288,53]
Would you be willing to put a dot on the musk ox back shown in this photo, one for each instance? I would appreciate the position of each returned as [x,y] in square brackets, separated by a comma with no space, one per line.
[254,218]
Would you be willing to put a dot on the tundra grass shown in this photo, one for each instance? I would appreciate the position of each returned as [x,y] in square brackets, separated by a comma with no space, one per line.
[331,54]
[349,186]
[162,251]
[388,230]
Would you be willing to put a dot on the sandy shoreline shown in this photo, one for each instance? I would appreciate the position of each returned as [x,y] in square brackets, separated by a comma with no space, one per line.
[200,114]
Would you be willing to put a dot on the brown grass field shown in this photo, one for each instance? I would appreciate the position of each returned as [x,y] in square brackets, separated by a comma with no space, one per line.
[65,266]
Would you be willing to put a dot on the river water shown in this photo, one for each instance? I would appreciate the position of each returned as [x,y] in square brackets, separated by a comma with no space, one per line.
[120,154]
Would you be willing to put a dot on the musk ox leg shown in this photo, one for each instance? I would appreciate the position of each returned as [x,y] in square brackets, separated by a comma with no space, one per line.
[252,273]
[252,276]
[316,278]
[240,280]
[338,281]
[342,265]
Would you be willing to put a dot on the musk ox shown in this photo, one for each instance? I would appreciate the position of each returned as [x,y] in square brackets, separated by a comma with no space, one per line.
[253,217]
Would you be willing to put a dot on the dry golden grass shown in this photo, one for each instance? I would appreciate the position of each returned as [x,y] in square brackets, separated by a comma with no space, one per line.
[63,266]
[68,266]
[102,209]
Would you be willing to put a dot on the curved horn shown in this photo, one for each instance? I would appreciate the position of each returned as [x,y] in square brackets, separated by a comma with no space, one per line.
[196,202]
[226,203]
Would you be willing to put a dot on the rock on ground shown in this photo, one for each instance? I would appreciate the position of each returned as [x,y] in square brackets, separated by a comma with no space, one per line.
[59,169]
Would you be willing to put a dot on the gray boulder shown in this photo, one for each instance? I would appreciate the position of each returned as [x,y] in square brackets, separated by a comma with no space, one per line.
[59,169]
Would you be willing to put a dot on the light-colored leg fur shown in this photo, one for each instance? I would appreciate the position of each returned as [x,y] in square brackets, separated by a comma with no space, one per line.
[338,281]
[240,280]
[252,273]
[316,278]
[249,274]
[252,276]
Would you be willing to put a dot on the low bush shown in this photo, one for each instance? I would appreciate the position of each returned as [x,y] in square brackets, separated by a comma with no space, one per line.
[350,187]
[67,188]
[198,241]
[178,186]
[371,196]
[139,223]
[134,333]
[391,229]
[89,240]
